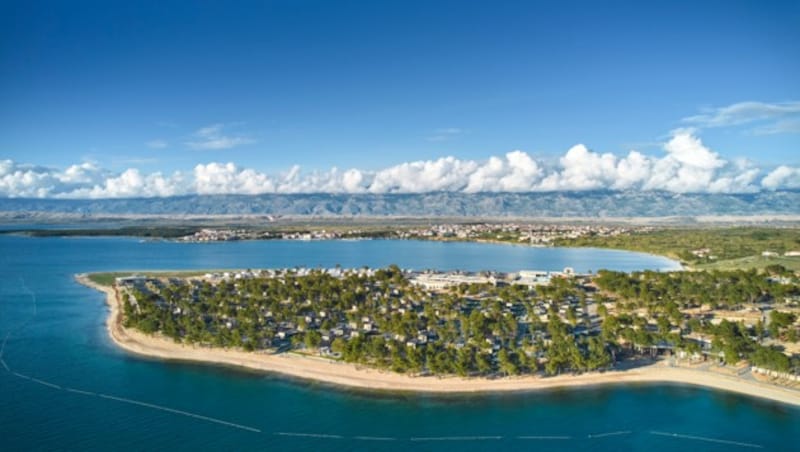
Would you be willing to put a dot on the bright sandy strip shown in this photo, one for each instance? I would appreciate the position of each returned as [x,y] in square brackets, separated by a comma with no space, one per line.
[350,375]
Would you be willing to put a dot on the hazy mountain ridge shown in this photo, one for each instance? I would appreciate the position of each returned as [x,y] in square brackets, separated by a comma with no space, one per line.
[450,204]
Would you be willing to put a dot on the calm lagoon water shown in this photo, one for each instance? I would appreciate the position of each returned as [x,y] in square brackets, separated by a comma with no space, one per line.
[55,334]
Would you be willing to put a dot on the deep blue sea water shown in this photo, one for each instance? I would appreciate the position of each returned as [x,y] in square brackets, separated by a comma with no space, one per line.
[56,335]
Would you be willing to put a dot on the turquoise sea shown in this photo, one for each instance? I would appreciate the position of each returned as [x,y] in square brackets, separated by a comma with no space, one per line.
[68,388]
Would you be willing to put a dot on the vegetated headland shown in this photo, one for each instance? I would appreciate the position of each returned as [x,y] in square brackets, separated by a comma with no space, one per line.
[397,330]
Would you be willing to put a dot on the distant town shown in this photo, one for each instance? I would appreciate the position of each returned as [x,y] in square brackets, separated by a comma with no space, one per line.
[534,234]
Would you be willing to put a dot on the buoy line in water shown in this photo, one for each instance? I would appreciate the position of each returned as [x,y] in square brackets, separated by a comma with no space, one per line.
[456,438]
[606,435]
[417,438]
[310,435]
[181,412]
[375,438]
[19,375]
[45,383]
[79,391]
[327,436]
[93,394]
[546,437]
[709,440]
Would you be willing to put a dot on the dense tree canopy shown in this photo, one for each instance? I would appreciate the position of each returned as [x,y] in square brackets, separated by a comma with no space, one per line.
[381,319]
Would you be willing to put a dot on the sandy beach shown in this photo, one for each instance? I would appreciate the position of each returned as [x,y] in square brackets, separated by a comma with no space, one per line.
[350,375]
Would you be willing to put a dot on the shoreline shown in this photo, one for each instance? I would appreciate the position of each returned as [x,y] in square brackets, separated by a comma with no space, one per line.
[357,377]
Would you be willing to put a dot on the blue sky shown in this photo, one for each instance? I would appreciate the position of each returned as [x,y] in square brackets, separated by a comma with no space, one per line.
[164,86]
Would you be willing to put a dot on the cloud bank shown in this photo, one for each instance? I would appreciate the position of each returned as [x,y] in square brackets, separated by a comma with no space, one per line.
[686,166]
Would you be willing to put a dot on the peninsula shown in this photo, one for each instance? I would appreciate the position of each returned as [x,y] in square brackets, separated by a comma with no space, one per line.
[395,330]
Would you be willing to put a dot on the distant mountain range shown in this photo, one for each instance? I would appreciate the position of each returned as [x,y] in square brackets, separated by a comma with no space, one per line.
[439,204]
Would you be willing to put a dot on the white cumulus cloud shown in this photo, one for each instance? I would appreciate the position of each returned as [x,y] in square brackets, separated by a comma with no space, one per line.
[689,166]
[217,178]
[782,177]
[686,165]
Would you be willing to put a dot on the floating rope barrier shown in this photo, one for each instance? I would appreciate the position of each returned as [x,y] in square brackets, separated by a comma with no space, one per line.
[544,437]
[19,375]
[605,435]
[374,438]
[710,440]
[181,412]
[310,435]
[45,383]
[78,391]
[457,438]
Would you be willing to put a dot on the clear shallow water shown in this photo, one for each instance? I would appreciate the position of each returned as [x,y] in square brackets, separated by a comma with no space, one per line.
[65,344]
